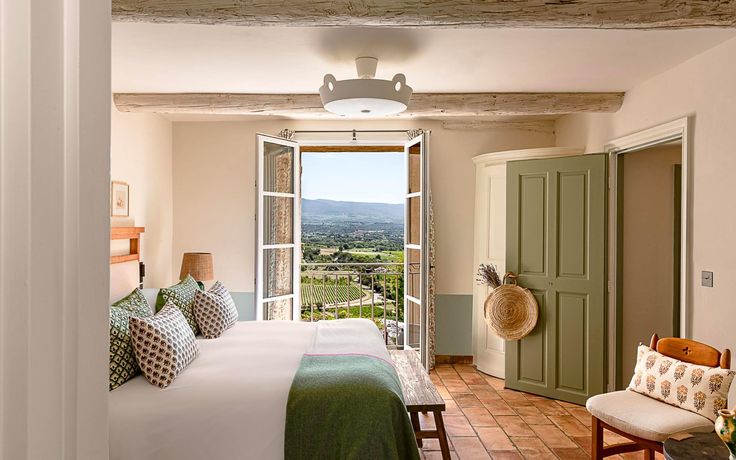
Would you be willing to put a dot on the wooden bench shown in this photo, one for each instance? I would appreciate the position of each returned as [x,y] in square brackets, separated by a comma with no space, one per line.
[420,395]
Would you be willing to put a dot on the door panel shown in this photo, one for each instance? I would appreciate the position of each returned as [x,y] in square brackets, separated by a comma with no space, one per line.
[533,223]
[532,353]
[556,211]
[573,236]
[572,315]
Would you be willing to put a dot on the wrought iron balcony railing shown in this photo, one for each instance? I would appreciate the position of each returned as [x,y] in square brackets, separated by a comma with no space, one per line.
[373,291]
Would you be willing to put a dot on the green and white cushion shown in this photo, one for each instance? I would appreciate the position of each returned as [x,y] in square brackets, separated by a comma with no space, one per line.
[182,296]
[123,365]
[135,302]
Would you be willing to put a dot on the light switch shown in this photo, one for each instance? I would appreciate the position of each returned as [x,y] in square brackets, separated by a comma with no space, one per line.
[706,279]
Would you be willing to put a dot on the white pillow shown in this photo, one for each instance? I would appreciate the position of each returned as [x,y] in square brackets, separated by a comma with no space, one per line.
[699,389]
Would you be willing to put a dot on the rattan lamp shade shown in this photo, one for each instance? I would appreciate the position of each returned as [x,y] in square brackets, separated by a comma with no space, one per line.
[197,264]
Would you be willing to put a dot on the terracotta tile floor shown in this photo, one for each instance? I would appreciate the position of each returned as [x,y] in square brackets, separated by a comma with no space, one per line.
[486,421]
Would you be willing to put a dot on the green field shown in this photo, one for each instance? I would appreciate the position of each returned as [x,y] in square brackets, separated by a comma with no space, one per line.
[316,294]
[384,256]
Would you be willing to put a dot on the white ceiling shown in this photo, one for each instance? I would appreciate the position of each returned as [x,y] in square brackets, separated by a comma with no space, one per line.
[194,58]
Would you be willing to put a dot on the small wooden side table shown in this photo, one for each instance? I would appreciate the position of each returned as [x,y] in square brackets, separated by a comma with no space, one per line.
[701,445]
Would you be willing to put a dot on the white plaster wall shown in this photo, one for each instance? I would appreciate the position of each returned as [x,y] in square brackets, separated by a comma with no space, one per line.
[703,87]
[214,194]
[141,155]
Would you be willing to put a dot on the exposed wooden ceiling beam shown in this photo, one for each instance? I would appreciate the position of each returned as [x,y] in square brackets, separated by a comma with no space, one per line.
[579,14]
[535,126]
[421,105]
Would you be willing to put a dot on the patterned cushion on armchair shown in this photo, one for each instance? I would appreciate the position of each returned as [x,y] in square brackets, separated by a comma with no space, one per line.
[699,389]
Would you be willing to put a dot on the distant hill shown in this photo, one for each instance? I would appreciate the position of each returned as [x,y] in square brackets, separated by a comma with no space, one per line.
[319,210]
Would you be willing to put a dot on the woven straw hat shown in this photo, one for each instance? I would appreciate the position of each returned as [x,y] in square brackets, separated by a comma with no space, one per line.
[511,311]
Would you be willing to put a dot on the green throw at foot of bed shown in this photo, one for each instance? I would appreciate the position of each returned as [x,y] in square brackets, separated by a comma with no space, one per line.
[347,407]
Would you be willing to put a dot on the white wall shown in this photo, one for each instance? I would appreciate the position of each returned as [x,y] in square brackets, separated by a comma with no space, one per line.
[141,155]
[54,228]
[214,194]
[705,88]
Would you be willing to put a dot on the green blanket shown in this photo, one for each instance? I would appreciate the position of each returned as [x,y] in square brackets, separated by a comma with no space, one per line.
[347,407]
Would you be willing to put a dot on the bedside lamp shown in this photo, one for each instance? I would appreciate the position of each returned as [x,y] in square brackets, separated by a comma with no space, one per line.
[199,265]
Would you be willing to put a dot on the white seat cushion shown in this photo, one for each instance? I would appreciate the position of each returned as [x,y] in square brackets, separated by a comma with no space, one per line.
[645,417]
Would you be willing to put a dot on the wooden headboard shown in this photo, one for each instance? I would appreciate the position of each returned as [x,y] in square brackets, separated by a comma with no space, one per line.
[127,233]
[125,269]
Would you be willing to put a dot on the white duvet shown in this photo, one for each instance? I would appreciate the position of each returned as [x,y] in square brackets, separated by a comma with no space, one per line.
[230,402]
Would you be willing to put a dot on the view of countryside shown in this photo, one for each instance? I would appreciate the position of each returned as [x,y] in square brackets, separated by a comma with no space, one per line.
[353,260]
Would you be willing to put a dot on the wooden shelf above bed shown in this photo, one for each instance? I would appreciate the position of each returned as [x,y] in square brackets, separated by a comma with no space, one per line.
[127,233]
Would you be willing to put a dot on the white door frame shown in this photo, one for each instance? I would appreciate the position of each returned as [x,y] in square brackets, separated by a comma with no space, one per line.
[424,138]
[297,217]
[679,129]
[54,229]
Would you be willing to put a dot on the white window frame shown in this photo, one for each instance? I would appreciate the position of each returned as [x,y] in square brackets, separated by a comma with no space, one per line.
[260,300]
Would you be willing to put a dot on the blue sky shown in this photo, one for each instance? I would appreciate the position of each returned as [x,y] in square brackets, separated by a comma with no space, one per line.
[363,177]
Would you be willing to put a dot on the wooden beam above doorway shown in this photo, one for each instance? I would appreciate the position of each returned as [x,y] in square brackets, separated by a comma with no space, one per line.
[421,105]
[572,14]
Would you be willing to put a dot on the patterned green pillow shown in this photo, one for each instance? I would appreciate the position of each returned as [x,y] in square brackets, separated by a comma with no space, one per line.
[182,296]
[123,365]
[135,302]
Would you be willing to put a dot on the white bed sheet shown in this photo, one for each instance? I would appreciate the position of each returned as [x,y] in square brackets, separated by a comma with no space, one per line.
[230,402]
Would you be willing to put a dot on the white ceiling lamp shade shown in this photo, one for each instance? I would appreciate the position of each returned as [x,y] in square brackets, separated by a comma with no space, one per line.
[365,96]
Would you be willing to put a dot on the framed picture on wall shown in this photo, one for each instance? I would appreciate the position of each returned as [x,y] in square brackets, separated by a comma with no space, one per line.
[119,199]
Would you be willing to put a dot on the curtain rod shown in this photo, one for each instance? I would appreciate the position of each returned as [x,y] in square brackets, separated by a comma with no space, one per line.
[298,131]
[289,134]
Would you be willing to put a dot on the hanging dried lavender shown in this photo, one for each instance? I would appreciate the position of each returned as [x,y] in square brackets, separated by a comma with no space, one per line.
[488,275]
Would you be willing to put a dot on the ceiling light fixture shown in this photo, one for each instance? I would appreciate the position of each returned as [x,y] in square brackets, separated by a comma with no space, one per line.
[365,96]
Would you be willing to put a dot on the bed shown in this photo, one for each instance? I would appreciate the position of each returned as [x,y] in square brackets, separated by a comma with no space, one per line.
[231,401]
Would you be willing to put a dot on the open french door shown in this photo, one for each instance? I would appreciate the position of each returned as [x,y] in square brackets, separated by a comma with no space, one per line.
[278,229]
[416,245]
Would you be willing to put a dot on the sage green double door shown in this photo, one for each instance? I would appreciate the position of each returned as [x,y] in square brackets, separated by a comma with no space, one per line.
[556,243]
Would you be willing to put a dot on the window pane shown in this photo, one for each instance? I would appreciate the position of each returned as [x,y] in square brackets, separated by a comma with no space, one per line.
[278,220]
[277,272]
[413,282]
[413,318]
[415,168]
[413,223]
[278,310]
[278,168]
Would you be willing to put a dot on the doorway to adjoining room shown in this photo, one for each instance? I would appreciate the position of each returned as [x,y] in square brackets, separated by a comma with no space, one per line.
[649,200]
